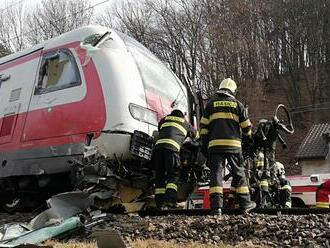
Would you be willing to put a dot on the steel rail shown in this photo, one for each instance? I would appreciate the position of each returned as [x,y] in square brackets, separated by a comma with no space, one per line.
[227,211]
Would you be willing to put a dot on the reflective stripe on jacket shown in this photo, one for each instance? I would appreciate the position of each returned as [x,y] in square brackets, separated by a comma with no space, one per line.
[285,184]
[172,132]
[223,122]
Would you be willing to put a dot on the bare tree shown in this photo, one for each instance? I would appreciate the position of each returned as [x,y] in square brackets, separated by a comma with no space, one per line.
[173,30]
[3,51]
[182,27]
[107,18]
[129,17]
[12,27]
[54,17]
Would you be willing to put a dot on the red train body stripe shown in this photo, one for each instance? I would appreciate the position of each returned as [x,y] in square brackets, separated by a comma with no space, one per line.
[87,115]
[21,60]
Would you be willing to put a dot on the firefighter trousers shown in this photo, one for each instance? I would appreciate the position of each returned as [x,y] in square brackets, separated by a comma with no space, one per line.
[239,185]
[166,163]
[285,193]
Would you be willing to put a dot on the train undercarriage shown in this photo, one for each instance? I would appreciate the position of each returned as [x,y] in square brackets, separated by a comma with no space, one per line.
[114,185]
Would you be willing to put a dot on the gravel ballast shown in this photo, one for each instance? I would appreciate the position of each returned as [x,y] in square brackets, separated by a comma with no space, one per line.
[252,229]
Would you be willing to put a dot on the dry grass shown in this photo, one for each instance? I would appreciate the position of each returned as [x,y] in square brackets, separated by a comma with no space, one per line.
[149,244]
[72,244]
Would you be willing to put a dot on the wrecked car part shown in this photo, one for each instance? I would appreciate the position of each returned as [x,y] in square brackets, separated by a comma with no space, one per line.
[40,235]
[12,231]
[120,186]
[95,218]
[57,221]
[260,157]
[68,204]
[61,207]
[113,182]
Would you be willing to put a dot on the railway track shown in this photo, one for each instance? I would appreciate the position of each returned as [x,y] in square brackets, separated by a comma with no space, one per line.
[227,211]
[298,227]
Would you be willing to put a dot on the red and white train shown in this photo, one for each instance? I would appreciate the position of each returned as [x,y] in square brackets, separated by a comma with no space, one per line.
[92,80]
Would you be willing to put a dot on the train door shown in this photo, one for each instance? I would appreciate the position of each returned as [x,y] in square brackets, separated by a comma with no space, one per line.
[8,123]
[9,108]
[53,110]
[17,78]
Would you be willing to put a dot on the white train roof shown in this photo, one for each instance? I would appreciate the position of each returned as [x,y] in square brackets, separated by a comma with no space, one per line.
[75,35]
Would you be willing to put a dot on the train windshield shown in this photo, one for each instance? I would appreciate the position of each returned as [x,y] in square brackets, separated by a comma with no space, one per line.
[161,85]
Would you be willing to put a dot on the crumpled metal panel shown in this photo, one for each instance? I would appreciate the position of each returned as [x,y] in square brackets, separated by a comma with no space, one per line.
[106,237]
[10,231]
[68,204]
[40,235]
[56,220]
[62,206]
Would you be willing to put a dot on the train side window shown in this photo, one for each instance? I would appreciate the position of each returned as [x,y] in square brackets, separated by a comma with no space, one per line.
[57,71]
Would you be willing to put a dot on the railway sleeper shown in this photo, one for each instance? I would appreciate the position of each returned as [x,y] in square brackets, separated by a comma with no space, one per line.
[229,211]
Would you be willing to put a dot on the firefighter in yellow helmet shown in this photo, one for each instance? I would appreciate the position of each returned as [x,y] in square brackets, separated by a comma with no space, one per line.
[223,123]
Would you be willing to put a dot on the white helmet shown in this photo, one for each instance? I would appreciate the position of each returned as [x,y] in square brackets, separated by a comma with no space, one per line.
[261,155]
[279,169]
[228,84]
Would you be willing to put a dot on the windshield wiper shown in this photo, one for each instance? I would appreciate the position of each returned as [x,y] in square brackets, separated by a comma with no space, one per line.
[101,39]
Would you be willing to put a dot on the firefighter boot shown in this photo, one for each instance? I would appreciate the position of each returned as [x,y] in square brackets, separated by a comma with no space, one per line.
[248,207]
[170,198]
[216,212]
[230,203]
[216,202]
[245,203]
[159,200]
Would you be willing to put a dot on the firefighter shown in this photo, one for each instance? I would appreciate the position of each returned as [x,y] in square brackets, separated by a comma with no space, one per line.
[260,182]
[173,130]
[285,186]
[260,169]
[266,137]
[223,122]
[322,195]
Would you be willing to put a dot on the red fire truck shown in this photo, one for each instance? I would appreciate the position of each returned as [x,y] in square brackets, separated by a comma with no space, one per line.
[303,191]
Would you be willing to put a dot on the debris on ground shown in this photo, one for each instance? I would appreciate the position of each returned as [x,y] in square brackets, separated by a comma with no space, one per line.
[251,230]
[123,230]
[59,219]
[109,236]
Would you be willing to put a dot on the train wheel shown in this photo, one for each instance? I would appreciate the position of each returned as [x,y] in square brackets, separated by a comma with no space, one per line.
[12,203]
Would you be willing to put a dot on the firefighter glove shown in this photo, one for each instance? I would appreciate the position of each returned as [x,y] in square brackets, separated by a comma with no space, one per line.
[226,177]
[266,174]
[259,174]
[284,145]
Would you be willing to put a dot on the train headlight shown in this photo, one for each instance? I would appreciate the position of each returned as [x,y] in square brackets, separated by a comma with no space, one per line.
[143,114]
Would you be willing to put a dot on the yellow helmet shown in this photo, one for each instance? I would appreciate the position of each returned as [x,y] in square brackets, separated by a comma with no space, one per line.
[228,84]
